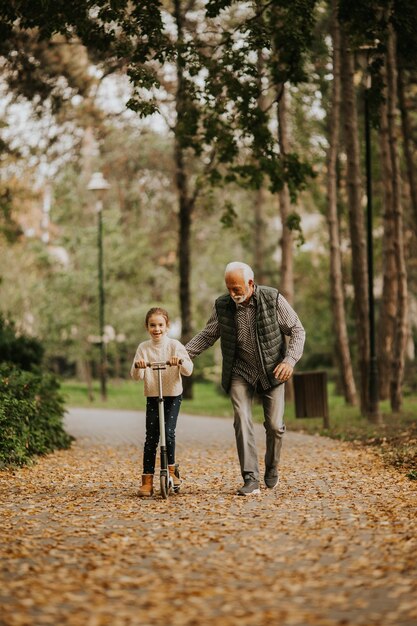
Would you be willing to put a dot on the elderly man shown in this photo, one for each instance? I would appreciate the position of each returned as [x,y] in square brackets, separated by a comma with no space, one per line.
[251,322]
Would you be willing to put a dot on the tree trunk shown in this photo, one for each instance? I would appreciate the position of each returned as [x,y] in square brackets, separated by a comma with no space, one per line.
[88,154]
[287,259]
[401,326]
[408,152]
[84,371]
[186,202]
[336,275]
[387,313]
[184,248]
[356,222]
[259,201]
[410,195]
[259,237]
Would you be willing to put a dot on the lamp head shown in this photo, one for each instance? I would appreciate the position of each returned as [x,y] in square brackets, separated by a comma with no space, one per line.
[98,183]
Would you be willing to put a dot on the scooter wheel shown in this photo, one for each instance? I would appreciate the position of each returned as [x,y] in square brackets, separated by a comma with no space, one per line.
[177,474]
[164,486]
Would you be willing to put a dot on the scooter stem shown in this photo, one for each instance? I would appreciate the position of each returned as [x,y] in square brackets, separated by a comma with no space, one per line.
[161,411]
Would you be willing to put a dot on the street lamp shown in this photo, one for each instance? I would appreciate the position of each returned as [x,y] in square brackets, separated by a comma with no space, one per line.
[99,185]
[364,58]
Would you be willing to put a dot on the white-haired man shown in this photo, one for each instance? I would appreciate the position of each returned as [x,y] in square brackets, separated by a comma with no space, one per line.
[251,322]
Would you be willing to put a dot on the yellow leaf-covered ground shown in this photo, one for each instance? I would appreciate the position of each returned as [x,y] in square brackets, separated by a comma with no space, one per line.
[334,544]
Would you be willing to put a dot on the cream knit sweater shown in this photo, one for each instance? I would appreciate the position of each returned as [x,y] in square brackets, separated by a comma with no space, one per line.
[151,351]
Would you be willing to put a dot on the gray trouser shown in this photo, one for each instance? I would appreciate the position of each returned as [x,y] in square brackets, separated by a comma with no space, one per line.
[241,395]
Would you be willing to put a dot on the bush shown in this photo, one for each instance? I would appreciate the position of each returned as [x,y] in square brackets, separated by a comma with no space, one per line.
[31,415]
[21,350]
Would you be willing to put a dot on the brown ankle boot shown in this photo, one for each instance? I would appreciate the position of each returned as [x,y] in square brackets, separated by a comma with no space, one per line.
[176,479]
[146,490]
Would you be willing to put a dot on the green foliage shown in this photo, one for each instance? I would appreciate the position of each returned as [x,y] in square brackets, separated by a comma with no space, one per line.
[235,86]
[31,414]
[405,22]
[225,133]
[217,93]
[31,407]
[294,224]
[47,73]
[25,352]
[141,107]
[366,23]
[291,26]
[229,215]
[366,20]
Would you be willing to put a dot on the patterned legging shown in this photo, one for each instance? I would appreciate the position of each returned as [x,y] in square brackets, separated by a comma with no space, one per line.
[172,408]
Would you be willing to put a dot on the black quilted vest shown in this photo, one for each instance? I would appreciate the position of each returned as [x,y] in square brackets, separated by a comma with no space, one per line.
[270,339]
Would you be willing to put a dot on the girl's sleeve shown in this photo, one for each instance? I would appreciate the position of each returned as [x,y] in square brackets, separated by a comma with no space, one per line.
[187,364]
[138,373]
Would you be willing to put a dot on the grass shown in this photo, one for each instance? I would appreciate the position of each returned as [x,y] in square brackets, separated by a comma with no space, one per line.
[395,440]
[126,394]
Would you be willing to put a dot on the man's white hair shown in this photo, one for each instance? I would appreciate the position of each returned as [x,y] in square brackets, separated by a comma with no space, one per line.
[236,266]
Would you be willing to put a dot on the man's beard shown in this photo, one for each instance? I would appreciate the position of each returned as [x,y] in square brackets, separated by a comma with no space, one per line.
[240,299]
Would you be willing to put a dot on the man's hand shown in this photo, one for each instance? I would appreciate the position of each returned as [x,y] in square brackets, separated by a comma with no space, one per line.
[140,364]
[175,360]
[283,371]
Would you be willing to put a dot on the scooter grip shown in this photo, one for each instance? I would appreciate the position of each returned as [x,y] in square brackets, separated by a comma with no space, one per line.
[179,362]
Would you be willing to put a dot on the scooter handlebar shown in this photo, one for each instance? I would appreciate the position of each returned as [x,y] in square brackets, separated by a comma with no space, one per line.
[157,364]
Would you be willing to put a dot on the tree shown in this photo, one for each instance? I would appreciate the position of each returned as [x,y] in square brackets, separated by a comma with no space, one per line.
[185,49]
[401,321]
[259,251]
[336,276]
[356,219]
[387,313]
[287,243]
[378,24]
[231,81]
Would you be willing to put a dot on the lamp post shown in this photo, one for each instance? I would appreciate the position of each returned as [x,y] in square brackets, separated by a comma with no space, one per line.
[374,412]
[99,185]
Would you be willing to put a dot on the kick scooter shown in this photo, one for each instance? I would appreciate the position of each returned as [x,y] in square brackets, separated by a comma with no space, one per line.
[166,481]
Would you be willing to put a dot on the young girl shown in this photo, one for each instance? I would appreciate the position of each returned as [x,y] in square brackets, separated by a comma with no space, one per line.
[160,348]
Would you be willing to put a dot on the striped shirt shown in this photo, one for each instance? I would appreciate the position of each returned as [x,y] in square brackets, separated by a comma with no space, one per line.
[247,360]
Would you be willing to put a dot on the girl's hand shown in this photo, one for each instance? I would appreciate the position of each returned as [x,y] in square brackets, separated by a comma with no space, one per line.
[140,364]
[174,360]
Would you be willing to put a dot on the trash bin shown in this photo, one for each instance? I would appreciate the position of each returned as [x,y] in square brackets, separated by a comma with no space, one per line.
[310,394]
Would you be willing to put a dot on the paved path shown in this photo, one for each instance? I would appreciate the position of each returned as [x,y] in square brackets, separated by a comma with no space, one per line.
[119,427]
[334,545]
